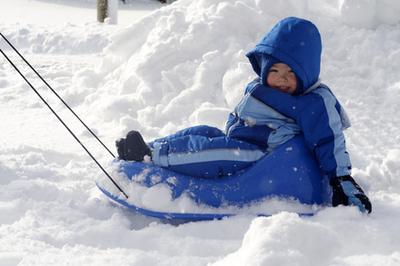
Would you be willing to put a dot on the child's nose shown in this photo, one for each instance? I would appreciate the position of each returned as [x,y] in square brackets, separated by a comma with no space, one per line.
[284,77]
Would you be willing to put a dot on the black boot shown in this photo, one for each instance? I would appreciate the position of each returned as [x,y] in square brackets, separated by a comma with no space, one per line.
[132,148]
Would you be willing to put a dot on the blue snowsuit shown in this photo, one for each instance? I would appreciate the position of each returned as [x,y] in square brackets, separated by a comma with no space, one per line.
[266,117]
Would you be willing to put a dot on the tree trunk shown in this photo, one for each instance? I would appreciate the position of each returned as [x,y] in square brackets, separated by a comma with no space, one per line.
[101,10]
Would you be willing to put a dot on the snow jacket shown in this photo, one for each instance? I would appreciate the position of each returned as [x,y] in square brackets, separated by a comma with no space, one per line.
[258,123]
[268,117]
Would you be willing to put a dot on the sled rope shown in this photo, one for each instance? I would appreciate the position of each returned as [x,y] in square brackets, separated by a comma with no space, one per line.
[58,96]
[55,113]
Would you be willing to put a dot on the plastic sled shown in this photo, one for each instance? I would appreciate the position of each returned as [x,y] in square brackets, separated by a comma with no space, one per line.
[290,171]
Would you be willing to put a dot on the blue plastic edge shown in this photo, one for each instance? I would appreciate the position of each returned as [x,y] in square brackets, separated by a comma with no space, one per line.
[180,216]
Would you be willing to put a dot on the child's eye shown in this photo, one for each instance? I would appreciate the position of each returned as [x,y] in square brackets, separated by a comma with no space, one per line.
[273,70]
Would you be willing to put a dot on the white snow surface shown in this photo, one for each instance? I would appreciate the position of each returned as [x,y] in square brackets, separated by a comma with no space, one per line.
[164,68]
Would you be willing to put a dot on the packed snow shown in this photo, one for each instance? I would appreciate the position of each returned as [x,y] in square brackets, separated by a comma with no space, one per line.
[163,68]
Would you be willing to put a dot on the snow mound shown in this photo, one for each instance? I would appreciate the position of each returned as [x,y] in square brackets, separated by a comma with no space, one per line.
[369,13]
[287,239]
[65,39]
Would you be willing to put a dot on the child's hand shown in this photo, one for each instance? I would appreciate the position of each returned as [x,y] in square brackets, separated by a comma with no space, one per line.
[347,192]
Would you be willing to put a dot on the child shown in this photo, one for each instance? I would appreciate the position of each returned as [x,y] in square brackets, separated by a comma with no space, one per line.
[286,99]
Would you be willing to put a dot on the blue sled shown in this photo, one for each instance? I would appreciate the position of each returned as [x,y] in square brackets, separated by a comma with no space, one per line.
[290,171]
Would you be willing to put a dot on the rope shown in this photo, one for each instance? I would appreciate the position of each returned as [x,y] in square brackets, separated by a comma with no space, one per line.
[58,96]
[58,117]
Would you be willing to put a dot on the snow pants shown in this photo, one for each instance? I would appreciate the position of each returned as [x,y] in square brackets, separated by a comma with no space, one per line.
[204,151]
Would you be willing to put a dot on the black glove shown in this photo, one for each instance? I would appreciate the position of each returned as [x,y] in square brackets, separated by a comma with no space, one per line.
[347,192]
[132,147]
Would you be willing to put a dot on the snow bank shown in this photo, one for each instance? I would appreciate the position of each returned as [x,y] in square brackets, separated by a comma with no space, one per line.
[65,39]
[369,13]
[332,238]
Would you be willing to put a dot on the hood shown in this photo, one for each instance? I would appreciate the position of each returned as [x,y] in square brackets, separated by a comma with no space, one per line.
[295,42]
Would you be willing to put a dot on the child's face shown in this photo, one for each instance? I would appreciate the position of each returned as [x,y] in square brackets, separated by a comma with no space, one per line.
[280,76]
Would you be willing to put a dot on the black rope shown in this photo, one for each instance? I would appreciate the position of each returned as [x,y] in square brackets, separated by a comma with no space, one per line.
[58,96]
[62,122]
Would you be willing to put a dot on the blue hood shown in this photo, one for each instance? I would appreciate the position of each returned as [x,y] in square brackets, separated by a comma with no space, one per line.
[295,42]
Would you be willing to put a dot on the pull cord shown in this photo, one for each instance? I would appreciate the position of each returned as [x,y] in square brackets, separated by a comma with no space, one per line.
[59,118]
[58,96]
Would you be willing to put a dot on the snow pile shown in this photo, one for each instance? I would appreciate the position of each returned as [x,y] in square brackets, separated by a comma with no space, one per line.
[369,13]
[67,39]
[332,239]
[65,13]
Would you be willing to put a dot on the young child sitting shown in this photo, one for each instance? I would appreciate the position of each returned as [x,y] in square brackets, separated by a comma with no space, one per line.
[285,100]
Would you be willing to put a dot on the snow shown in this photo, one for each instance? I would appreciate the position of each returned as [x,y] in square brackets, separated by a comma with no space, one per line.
[162,68]
[76,12]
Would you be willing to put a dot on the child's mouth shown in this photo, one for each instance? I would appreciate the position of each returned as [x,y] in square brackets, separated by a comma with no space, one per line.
[284,89]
